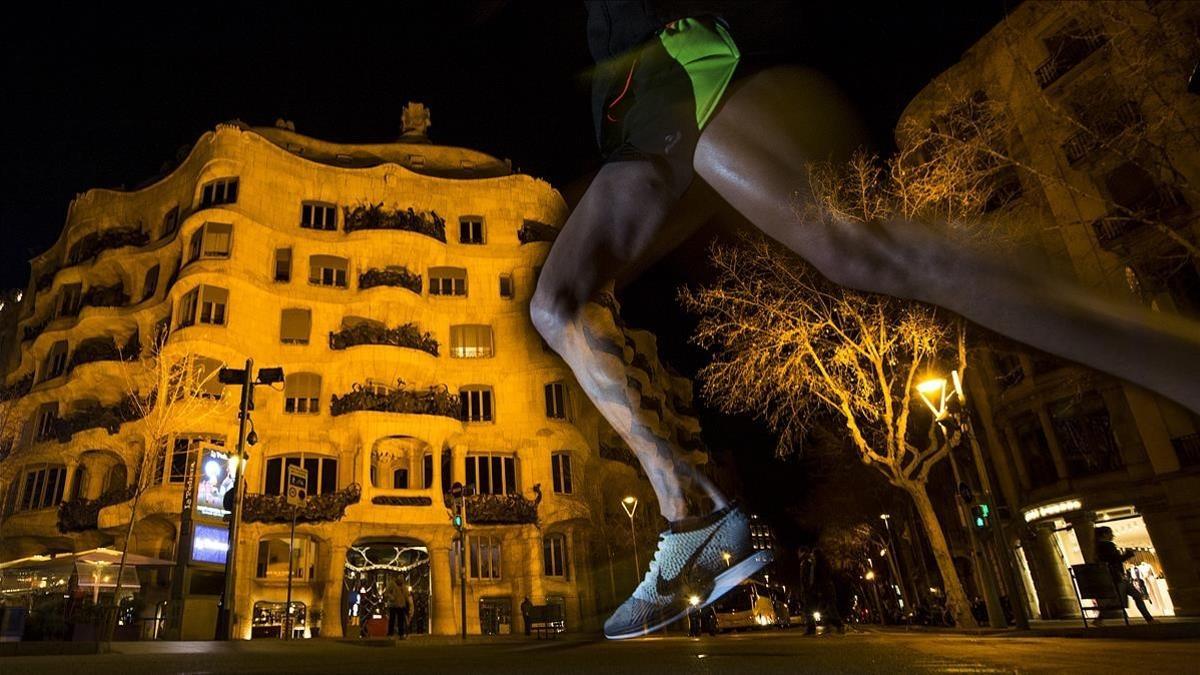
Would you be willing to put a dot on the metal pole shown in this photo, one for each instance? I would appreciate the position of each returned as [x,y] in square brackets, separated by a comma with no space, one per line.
[287,608]
[637,565]
[462,562]
[894,564]
[236,512]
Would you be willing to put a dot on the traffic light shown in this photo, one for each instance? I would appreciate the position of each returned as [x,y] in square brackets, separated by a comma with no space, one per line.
[458,523]
[981,513]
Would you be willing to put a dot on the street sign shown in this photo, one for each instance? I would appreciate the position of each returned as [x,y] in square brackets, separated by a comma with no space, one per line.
[297,485]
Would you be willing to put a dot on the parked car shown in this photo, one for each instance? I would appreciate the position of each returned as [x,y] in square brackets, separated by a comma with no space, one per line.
[749,605]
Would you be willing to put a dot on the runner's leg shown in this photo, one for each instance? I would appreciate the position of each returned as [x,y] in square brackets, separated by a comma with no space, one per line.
[754,153]
[620,220]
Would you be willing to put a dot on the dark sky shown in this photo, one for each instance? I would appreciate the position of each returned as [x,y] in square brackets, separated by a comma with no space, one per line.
[96,97]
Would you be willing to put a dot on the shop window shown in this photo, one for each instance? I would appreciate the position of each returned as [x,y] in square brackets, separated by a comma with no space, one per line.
[302,393]
[55,363]
[283,265]
[483,557]
[492,474]
[268,619]
[318,216]
[295,324]
[448,281]
[471,341]
[557,403]
[554,555]
[560,467]
[322,474]
[327,270]
[476,404]
[212,240]
[470,230]
[217,192]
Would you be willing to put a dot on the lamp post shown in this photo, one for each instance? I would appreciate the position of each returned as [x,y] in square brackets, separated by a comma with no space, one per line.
[630,505]
[935,388]
[894,562]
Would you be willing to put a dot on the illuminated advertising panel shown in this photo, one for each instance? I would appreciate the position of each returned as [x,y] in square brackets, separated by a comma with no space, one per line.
[210,544]
[216,478]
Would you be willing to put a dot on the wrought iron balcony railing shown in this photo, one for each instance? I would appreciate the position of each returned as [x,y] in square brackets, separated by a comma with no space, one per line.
[436,400]
[1070,55]
[326,507]
[369,333]
[1101,129]
[94,244]
[81,515]
[392,276]
[532,230]
[105,348]
[507,509]
[375,217]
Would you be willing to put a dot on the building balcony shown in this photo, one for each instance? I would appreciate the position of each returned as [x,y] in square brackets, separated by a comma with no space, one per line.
[110,418]
[16,389]
[510,509]
[1187,448]
[374,333]
[30,333]
[105,296]
[375,217]
[436,400]
[532,230]
[94,244]
[105,348]
[398,277]
[1101,130]
[320,508]
[1161,205]
[81,515]
[1071,54]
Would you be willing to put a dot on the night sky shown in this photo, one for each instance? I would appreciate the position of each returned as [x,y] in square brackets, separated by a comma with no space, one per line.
[97,97]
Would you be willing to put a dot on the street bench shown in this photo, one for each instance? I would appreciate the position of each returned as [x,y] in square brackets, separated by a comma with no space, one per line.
[546,620]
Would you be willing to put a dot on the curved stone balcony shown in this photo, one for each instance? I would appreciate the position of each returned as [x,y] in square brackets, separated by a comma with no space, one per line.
[375,217]
[435,400]
[81,514]
[161,500]
[511,509]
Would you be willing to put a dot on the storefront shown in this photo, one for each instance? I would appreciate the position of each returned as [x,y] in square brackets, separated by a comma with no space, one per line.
[1062,534]
[370,566]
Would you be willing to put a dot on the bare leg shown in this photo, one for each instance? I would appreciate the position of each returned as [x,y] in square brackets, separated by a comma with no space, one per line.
[619,222]
[754,153]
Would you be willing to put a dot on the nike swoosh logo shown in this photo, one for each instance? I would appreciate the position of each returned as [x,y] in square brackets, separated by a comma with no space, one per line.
[668,587]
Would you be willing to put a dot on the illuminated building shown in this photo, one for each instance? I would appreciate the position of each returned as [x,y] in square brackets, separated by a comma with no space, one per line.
[1093,93]
[391,283]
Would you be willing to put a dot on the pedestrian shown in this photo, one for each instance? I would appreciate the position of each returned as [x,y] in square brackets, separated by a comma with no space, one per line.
[526,607]
[400,603]
[1108,553]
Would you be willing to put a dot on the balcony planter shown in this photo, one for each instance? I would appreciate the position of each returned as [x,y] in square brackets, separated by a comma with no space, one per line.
[110,418]
[258,508]
[96,243]
[503,509]
[105,349]
[532,230]
[375,217]
[437,400]
[106,296]
[371,333]
[81,515]
[391,276]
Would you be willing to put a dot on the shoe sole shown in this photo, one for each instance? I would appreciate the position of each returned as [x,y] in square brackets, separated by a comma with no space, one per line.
[722,584]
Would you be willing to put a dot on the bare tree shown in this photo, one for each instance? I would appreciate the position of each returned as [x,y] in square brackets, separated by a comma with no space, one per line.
[171,392]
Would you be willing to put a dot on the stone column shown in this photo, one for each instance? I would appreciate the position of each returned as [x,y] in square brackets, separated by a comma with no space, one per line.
[1084,524]
[331,599]
[1176,545]
[1055,592]
[533,565]
[443,604]
[458,468]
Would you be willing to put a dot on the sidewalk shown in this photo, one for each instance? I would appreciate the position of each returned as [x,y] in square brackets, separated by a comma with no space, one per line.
[1164,628]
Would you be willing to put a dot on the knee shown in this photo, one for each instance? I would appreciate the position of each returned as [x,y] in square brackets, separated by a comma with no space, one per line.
[550,311]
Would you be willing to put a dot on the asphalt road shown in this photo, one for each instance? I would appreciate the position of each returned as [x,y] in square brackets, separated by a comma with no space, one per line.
[754,654]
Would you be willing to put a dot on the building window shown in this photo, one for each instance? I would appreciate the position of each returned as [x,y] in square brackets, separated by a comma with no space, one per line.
[484,557]
[471,341]
[43,421]
[212,240]
[217,192]
[170,222]
[207,382]
[180,454]
[506,286]
[273,555]
[70,299]
[400,479]
[283,265]
[554,555]
[56,361]
[150,285]
[203,304]
[476,404]
[302,393]
[116,480]
[560,467]
[470,230]
[556,401]
[79,483]
[294,326]
[327,270]
[492,474]
[447,281]
[322,474]
[318,216]
[43,487]
[427,469]
[1084,431]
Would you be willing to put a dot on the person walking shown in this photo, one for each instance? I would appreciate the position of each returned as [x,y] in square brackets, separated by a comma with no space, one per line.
[1108,553]
[526,606]
[400,603]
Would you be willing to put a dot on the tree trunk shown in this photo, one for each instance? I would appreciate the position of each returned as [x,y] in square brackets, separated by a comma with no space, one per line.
[110,626]
[956,598]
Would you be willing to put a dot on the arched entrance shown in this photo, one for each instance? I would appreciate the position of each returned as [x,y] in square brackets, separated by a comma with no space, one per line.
[369,566]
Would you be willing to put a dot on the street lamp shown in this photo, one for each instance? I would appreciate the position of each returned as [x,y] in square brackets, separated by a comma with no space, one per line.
[630,505]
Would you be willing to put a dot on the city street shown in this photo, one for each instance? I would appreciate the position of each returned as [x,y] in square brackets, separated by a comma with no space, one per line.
[765,652]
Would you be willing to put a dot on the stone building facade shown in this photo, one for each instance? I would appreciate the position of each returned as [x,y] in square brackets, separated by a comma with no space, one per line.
[1103,137]
[391,284]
